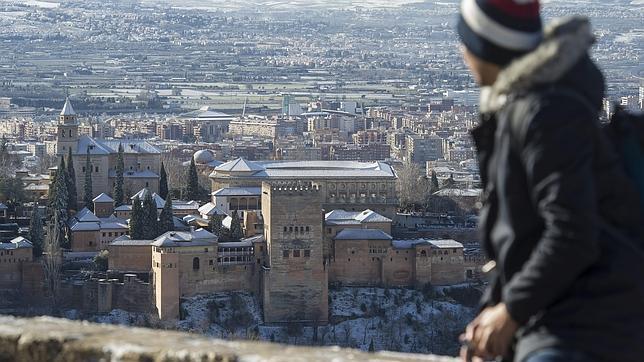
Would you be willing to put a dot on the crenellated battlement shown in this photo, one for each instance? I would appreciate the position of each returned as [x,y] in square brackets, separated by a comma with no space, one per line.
[293,186]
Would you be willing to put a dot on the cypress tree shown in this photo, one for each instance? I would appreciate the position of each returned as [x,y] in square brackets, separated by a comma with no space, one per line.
[163,183]
[214,224]
[236,231]
[166,222]
[88,194]
[150,224]
[36,232]
[58,203]
[136,220]
[434,182]
[192,189]
[118,183]
[72,202]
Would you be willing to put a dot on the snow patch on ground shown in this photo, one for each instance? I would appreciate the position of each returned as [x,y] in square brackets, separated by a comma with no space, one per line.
[404,320]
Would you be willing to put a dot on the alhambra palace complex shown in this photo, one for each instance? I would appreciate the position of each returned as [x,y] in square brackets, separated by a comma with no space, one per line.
[307,225]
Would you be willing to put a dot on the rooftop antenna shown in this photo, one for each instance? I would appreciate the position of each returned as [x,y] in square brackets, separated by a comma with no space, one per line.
[244,109]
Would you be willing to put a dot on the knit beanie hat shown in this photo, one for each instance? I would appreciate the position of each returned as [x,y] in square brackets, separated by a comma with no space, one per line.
[499,31]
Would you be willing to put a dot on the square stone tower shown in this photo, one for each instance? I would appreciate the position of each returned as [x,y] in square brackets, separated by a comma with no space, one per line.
[295,276]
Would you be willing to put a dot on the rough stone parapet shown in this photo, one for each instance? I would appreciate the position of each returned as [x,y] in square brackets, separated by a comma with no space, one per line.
[52,339]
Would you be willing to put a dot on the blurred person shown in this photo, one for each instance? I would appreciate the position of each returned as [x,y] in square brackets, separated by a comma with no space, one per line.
[561,221]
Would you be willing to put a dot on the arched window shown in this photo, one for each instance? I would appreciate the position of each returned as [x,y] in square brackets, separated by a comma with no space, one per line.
[195,263]
[423,253]
[70,133]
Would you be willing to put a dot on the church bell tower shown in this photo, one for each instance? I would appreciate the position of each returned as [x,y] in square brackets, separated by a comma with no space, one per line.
[67,130]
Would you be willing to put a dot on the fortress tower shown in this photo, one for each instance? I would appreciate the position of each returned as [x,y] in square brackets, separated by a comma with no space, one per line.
[67,130]
[295,276]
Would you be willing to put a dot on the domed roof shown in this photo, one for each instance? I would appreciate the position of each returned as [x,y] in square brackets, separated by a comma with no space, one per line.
[203,156]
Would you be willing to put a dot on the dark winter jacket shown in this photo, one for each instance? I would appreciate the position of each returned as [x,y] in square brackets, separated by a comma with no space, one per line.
[560,218]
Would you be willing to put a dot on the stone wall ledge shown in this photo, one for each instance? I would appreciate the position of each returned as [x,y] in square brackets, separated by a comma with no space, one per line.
[51,339]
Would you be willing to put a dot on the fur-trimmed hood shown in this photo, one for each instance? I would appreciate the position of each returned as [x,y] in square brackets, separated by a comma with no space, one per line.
[566,43]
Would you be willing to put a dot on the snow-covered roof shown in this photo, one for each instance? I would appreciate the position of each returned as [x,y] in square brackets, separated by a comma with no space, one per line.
[36,187]
[199,237]
[106,147]
[342,217]
[259,238]
[185,205]
[113,222]
[86,226]
[67,110]
[438,243]
[238,191]
[157,199]
[103,197]
[210,209]
[85,215]
[362,234]
[17,243]
[227,222]
[203,157]
[3,206]
[124,208]
[308,169]
[239,165]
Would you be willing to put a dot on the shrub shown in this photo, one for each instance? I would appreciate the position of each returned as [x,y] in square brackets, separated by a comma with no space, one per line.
[468,296]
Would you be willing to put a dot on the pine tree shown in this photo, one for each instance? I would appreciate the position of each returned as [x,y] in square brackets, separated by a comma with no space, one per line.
[72,202]
[166,221]
[58,204]
[163,183]
[88,194]
[118,184]
[136,220]
[434,182]
[36,232]
[192,189]
[236,231]
[214,224]
[150,224]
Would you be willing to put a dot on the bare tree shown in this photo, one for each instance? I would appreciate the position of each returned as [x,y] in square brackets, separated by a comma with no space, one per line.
[413,187]
[53,261]
[177,176]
